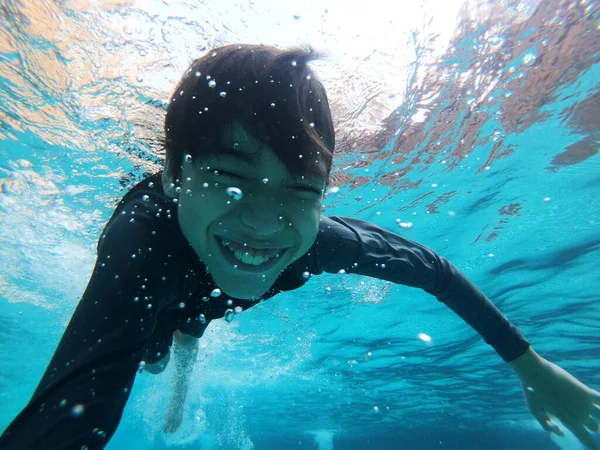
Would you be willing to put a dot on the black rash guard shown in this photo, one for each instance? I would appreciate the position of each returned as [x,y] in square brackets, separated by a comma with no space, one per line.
[148,282]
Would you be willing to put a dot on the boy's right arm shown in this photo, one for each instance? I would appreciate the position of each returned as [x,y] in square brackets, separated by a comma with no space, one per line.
[80,399]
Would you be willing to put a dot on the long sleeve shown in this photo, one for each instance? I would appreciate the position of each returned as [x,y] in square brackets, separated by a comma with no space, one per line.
[81,396]
[363,248]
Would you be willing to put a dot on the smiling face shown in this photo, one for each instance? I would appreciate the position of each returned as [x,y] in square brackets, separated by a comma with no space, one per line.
[245,215]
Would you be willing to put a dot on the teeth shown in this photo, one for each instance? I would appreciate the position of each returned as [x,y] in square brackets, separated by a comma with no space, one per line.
[247,257]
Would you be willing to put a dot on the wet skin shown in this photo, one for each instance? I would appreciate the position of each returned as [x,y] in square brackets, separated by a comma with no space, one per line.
[274,223]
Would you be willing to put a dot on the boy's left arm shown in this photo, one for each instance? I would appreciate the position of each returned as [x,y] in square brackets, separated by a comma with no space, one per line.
[363,248]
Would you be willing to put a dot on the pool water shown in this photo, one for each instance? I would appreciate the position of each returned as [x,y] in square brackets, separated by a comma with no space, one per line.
[470,127]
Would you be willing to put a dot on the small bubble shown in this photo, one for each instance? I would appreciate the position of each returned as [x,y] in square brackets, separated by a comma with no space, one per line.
[294,63]
[234,193]
[383,266]
[333,190]
[63,403]
[145,198]
[312,124]
[181,305]
[215,292]
[529,59]
[151,184]
[78,410]
[306,275]
[237,309]
[229,302]
[201,318]
[212,83]
[229,315]
[223,94]
[197,74]
[188,192]
[272,105]
[204,185]
[376,408]
[341,272]
[188,158]
[265,180]
[236,146]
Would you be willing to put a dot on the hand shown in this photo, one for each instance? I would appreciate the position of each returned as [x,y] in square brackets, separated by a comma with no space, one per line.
[174,417]
[552,391]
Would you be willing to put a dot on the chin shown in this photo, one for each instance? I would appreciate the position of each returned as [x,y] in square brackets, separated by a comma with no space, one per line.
[244,293]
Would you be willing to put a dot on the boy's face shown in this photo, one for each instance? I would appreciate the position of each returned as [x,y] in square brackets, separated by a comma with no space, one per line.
[247,217]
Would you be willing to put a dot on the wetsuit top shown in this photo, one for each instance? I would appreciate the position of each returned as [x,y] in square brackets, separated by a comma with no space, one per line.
[146,271]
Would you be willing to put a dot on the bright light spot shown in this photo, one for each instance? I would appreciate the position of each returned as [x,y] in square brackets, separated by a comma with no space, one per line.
[424,337]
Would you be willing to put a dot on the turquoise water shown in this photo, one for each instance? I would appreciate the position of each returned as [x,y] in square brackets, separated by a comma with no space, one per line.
[489,156]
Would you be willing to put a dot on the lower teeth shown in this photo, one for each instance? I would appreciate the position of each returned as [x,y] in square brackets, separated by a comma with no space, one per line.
[246,258]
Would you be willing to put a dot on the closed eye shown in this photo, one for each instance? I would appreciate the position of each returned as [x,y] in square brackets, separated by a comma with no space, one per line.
[307,189]
[225,173]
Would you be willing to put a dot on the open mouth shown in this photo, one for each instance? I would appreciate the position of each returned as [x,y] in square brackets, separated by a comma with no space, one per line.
[242,256]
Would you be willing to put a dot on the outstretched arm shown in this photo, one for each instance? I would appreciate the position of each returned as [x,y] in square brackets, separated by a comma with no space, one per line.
[364,248]
[80,399]
[185,350]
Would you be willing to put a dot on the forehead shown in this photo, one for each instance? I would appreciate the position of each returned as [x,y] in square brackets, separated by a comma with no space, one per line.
[237,145]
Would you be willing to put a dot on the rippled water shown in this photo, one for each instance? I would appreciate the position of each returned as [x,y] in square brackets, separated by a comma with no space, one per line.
[477,136]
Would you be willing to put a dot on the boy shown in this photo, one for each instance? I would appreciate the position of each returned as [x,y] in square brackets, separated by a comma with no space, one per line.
[235,218]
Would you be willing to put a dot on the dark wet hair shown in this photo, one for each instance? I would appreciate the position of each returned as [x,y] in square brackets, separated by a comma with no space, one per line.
[270,91]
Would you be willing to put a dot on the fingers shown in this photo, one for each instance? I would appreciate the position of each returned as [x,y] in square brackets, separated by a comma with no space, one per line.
[585,437]
[547,423]
[593,425]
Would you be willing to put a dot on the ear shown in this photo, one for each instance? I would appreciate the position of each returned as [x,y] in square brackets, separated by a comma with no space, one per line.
[168,179]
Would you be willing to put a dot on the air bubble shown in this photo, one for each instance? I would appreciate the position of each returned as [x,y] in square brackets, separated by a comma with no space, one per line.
[78,410]
[234,193]
[306,275]
[529,59]
[188,158]
[265,180]
[215,293]
[145,198]
[272,105]
[201,318]
[223,94]
[212,83]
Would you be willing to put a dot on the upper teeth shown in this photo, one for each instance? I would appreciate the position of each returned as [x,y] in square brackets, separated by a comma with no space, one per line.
[249,255]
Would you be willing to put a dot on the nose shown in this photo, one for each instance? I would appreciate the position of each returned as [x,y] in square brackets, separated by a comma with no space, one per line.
[263,216]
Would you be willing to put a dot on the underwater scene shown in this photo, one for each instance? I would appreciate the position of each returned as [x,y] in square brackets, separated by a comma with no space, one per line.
[471,127]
